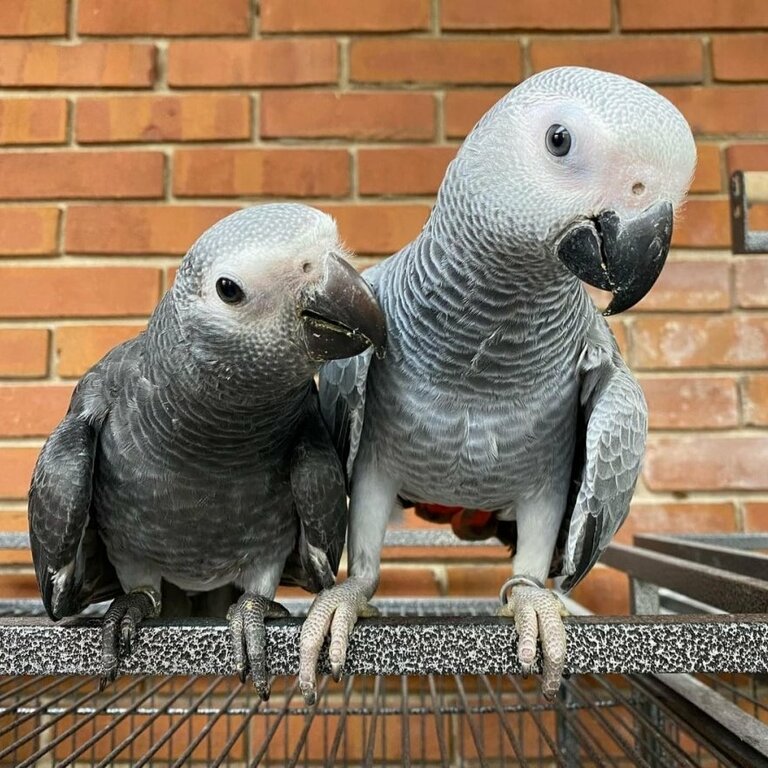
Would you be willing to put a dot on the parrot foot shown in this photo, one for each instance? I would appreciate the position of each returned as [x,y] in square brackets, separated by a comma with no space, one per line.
[538,613]
[120,627]
[249,637]
[337,609]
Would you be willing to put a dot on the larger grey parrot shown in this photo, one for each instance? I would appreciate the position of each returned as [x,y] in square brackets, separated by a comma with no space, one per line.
[195,453]
[503,388]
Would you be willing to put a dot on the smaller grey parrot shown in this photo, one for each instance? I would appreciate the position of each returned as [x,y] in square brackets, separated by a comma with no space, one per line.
[195,453]
[503,398]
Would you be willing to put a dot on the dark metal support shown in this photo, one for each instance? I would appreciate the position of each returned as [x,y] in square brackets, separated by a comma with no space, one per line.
[743,240]
[753,564]
[723,589]
[743,740]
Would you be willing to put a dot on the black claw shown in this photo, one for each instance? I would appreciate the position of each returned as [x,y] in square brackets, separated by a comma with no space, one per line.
[120,623]
[248,636]
[264,692]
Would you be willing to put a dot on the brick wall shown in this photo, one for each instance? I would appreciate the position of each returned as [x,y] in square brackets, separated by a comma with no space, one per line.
[129,126]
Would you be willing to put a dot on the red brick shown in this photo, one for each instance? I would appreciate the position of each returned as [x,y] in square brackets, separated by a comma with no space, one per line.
[33,18]
[691,403]
[659,59]
[740,57]
[402,170]
[17,464]
[24,352]
[163,17]
[725,109]
[756,516]
[477,580]
[253,62]
[755,398]
[78,347]
[19,585]
[752,282]
[447,60]
[378,228]
[14,520]
[170,276]
[492,553]
[344,16]
[677,517]
[98,65]
[32,410]
[132,229]
[56,175]
[619,328]
[193,117]
[706,463]
[701,14]
[405,582]
[33,121]
[690,285]
[703,223]
[280,172]
[747,157]
[700,342]
[463,109]
[27,231]
[708,177]
[525,14]
[78,291]
[372,116]
[604,591]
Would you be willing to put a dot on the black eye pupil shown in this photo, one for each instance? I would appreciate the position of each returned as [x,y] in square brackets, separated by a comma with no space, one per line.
[558,140]
[229,291]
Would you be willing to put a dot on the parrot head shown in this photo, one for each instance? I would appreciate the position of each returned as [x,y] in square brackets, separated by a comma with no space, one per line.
[582,168]
[268,289]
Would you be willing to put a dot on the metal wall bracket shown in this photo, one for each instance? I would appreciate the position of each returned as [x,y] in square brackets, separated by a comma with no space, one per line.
[743,240]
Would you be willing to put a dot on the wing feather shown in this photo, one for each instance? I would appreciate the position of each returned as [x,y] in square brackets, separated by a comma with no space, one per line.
[70,559]
[342,397]
[318,488]
[615,419]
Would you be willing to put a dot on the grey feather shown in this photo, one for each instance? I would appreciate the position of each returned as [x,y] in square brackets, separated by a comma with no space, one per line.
[318,489]
[188,452]
[502,388]
[616,419]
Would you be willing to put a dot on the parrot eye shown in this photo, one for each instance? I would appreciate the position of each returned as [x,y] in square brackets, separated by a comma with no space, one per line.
[558,140]
[229,291]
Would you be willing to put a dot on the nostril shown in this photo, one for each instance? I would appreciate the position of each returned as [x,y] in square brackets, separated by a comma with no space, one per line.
[638,188]
[306,267]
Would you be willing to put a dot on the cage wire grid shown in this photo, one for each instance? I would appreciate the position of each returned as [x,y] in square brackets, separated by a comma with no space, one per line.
[434,682]
[473,720]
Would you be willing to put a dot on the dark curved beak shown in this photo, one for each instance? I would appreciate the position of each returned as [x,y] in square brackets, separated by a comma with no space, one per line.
[340,315]
[623,256]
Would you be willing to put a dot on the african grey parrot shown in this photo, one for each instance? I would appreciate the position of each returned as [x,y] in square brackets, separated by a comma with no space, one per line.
[196,453]
[503,388]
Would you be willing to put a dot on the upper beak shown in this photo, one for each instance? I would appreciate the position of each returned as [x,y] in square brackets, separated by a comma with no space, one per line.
[340,315]
[623,256]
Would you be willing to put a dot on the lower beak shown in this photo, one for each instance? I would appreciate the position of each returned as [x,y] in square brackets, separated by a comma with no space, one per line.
[340,315]
[623,256]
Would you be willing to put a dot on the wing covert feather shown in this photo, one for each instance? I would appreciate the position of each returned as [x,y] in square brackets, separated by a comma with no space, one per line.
[70,559]
[342,396]
[317,484]
[616,423]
